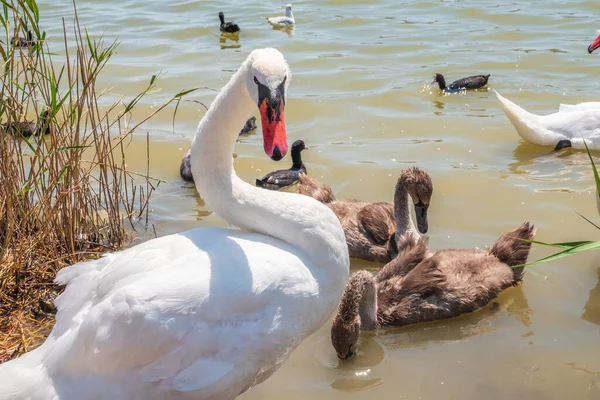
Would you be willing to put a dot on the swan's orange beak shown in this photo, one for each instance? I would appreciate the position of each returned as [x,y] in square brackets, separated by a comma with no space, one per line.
[273,127]
[595,44]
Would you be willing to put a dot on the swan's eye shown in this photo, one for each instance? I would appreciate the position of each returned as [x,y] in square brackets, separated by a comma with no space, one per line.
[256,81]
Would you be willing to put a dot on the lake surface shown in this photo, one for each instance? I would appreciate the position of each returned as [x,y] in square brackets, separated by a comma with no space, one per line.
[360,99]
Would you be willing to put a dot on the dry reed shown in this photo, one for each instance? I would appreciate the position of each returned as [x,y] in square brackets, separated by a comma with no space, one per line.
[68,195]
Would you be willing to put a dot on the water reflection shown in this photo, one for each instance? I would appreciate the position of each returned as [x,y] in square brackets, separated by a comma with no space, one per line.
[229,40]
[359,372]
[287,29]
[591,311]
[545,164]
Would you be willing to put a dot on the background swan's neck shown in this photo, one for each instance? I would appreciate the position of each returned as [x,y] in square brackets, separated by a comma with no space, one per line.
[402,212]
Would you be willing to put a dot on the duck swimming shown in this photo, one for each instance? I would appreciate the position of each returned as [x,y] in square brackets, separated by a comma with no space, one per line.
[229,27]
[468,83]
[568,127]
[285,177]
[28,128]
[22,42]
[373,229]
[417,286]
[185,169]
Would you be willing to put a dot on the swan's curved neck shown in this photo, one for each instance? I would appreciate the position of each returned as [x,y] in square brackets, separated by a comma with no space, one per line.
[402,213]
[288,13]
[298,220]
[360,299]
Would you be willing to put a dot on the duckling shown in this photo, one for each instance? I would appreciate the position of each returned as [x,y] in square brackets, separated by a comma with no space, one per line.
[417,286]
[373,229]
[285,177]
[185,169]
[22,42]
[29,128]
[229,27]
[468,83]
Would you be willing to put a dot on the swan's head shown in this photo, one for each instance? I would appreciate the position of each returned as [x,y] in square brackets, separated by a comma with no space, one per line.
[288,10]
[595,44]
[420,188]
[267,80]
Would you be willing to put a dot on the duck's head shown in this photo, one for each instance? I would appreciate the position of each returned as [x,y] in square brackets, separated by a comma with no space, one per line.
[420,188]
[267,79]
[298,146]
[595,44]
[437,78]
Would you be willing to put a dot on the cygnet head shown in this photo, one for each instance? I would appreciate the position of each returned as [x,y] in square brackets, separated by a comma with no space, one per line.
[420,188]
[344,336]
[268,77]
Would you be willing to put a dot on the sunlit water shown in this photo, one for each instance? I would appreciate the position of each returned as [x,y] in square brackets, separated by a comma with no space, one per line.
[360,98]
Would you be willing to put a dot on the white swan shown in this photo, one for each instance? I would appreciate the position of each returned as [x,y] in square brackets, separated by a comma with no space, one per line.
[566,128]
[287,20]
[210,312]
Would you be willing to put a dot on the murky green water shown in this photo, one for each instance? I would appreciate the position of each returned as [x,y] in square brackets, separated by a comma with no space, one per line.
[360,99]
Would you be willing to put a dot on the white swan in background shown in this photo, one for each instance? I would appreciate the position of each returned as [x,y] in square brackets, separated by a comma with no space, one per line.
[566,128]
[210,312]
[287,20]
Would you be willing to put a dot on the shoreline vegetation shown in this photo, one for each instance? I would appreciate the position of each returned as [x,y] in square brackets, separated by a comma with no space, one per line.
[66,194]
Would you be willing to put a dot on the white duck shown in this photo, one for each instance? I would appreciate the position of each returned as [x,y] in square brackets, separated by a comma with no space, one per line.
[210,312]
[287,20]
[566,128]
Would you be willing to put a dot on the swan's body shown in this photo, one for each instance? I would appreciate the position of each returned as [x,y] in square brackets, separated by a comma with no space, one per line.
[572,124]
[210,312]
[417,286]
[285,177]
[373,229]
[185,169]
[285,20]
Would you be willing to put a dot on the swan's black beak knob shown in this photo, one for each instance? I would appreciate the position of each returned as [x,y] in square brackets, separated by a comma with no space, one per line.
[276,154]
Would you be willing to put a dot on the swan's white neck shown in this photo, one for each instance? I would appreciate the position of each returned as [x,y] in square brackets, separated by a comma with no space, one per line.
[288,13]
[298,220]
